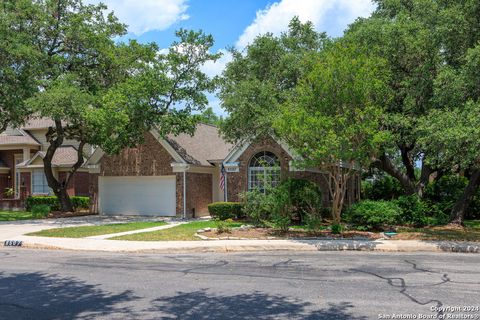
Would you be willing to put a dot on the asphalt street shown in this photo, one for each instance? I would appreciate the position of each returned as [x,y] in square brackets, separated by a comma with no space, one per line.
[42,284]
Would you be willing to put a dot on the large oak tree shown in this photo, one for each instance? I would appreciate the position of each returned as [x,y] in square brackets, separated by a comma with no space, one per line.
[103,92]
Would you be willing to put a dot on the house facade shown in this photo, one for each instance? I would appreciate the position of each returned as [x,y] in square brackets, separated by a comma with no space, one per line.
[180,175]
[21,164]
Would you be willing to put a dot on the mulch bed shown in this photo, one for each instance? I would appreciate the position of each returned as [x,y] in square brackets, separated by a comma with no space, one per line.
[270,234]
[60,214]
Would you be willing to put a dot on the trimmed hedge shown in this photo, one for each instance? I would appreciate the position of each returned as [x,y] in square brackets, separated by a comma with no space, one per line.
[52,202]
[40,210]
[225,210]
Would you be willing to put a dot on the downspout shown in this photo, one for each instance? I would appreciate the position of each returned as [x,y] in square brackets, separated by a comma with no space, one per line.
[185,194]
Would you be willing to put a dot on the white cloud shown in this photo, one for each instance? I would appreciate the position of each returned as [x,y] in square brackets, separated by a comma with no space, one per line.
[146,15]
[215,68]
[275,18]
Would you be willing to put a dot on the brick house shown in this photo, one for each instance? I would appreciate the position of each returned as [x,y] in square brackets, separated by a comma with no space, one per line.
[180,175]
[21,164]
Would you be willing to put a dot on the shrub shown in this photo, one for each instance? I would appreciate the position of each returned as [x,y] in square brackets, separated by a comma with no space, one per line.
[414,210]
[40,210]
[381,188]
[257,206]
[304,198]
[336,228]
[313,223]
[225,210]
[223,226]
[52,202]
[374,215]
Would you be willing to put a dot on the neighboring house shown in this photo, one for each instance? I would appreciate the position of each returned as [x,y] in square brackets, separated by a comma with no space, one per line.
[21,163]
[180,175]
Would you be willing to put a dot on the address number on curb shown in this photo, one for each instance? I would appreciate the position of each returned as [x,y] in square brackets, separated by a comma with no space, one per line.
[12,243]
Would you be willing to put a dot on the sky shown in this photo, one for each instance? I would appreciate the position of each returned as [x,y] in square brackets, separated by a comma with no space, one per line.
[233,23]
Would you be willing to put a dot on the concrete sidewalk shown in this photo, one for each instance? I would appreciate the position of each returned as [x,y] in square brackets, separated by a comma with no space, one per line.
[125,233]
[86,244]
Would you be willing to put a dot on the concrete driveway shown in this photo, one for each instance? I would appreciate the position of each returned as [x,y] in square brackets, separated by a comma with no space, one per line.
[9,230]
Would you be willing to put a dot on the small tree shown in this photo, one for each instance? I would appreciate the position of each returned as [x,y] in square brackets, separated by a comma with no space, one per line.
[107,94]
[332,118]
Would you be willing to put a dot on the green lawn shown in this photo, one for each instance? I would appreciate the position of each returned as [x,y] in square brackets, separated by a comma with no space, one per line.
[88,231]
[180,233]
[15,215]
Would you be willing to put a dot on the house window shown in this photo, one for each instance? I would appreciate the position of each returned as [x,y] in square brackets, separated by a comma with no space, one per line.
[39,182]
[263,171]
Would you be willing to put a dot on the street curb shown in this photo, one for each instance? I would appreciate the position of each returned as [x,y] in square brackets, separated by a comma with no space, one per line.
[224,246]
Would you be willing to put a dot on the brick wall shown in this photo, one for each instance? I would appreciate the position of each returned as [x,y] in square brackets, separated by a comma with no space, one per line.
[238,182]
[8,180]
[148,159]
[79,184]
[199,193]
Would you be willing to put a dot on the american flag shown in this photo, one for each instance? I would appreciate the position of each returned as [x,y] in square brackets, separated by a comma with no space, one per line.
[222,178]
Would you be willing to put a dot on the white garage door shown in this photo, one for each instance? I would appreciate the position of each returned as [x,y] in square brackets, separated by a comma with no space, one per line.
[137,195]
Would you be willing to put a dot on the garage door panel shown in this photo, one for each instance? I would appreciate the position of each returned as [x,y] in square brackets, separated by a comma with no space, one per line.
[137,195]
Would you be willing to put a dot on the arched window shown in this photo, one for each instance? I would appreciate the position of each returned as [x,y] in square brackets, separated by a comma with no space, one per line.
[263,170]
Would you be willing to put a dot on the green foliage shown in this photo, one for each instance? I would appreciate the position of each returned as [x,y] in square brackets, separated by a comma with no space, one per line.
[414,210]
[262,77]
[336,228]
[313,223]
[257,206]
[40,211]
[225,210]
[210,117]
[99,91]
[52,202]
[335,112]
[19,61]
[223,226]
[293,199]
[383,188]
[304,198]
[374,215]
[9,192]
[442,194]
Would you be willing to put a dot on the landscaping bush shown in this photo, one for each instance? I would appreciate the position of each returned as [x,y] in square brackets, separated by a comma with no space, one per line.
[225,210]
[256,206]
[336,228]
[52,202]
[414,210]
[304,198]
[40,211]
[374,215]
[381,188]
[223,226]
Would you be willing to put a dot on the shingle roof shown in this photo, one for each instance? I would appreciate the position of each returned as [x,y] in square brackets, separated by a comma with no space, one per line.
[38,123]
[18,139]
[65,156]
[206,144]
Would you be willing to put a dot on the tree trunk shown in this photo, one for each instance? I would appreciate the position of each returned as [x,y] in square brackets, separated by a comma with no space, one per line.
[385,164]
[458,211]
[55,138]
